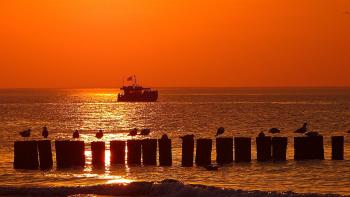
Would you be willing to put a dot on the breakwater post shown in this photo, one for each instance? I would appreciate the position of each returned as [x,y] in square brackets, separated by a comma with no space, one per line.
[98,153]
[203,152]
[263,148]
[134,152]
[149,151]
[70,153]
[165,155]
[242,149]
[187,152]
[45,154]
[279,148]
[224,150]
[308,148]
[337,147]
[117,149]
[26,155]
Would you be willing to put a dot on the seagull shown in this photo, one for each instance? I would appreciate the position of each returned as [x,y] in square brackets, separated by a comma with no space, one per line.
[303,129]
[99,134]
[187,137]
[220,131]
[312,134]
[274,130]
[164,137]
[133,132]
[76,134]
[261,134]
[45,132]
[145,132]
[25,133]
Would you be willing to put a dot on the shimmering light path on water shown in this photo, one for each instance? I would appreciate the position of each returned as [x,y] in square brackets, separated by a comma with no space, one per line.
[243,112]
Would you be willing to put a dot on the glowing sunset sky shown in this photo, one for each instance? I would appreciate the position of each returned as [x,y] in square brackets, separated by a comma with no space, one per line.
[94,43]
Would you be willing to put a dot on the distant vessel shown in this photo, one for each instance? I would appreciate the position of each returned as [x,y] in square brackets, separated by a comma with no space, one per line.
[136,93]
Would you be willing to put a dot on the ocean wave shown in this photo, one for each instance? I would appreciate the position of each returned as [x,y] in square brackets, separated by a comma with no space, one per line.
[167,187]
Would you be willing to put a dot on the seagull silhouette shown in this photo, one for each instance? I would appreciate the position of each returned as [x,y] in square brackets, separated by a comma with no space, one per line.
[133,132]
[45,132]
[76,134]
[220,131]
[99,134]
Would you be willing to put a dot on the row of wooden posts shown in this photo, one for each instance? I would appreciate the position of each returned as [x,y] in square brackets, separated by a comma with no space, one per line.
[38,154]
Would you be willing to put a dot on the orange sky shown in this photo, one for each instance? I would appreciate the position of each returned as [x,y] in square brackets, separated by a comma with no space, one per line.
[94,43]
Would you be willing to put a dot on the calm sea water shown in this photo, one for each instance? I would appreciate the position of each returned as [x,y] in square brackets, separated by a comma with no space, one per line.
[179,111]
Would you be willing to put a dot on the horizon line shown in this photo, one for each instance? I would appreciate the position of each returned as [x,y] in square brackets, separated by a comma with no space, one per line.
[219,87]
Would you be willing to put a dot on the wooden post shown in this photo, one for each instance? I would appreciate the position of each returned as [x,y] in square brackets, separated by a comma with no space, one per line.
[242,149]
[45,154]
[187,152]
[134,151]
[203,152]
[70,153]
[263,148]
[62,156]
[77,153]
[149,151]
[308,148]
[224,150]
[279,148]
[337,147]
[25,155]
[165,155]
[98,153]
[117,152]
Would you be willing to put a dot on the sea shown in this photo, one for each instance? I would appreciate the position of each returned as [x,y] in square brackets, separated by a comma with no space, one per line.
[179,111]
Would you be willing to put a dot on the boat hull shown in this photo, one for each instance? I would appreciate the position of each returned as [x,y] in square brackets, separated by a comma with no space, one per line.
[146,97]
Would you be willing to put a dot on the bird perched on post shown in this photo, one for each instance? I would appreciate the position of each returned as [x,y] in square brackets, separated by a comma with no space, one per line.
[261,135]
[45,132]
[164,137]
[145,131]
[76,134]
[99,134]
[133,132]
[25,134]
[220,131]
[303,129]
[274,130]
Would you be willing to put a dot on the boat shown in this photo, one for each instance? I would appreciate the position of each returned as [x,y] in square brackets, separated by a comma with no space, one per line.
[136,93]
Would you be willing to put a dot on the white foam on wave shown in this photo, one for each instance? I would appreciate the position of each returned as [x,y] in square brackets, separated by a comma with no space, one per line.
[171,188]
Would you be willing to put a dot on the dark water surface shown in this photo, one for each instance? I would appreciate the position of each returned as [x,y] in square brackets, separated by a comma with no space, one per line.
[242,111]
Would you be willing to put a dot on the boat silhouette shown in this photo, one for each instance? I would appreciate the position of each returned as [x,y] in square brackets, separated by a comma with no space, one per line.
[136,93]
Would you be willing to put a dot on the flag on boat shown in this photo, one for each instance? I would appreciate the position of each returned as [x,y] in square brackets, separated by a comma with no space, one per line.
[129,78]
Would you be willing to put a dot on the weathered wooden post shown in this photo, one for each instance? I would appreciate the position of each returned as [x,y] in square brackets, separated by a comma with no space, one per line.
[187,151]
[308,148]
[224,150]
[117,149]
[25,155]
[242,149]
[203,152]
[62,154]
[165,155]
[279,148]
[45,154]
[134,151]
[149,151]
[77,153]
[98,153]
[263,148]
[301,148]
[337,147]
